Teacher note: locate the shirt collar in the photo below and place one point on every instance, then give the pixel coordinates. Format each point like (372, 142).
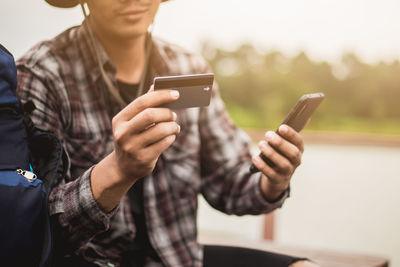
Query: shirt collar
(90, 57)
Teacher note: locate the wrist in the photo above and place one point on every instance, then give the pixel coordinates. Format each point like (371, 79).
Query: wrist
(108, 183)
(271, 191)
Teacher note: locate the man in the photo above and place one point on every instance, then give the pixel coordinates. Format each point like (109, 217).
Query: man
(130, 198)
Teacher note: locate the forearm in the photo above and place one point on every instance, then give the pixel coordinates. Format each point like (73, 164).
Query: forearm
(240, 193)
(78, 215)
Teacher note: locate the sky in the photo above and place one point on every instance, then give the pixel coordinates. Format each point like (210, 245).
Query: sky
(325, 29)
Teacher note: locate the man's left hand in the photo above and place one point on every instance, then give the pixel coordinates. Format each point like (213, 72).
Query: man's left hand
(284, 150)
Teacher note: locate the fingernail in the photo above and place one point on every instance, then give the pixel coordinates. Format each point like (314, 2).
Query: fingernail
(263, 145)
(174, 93)
(179, 128)
(174, 115)
(257, 159)
(270, 135)
(283, 129)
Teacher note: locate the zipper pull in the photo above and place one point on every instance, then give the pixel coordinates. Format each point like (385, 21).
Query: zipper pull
(30, 176)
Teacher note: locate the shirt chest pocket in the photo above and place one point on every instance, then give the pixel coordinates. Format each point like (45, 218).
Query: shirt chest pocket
(88, 138)
(85, 152)
(185, 148)
(182, 159)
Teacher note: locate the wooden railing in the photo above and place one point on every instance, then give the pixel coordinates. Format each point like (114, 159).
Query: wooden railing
(358, 139)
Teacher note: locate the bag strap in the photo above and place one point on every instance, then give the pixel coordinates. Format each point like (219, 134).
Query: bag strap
(57, 164)
(62, 162)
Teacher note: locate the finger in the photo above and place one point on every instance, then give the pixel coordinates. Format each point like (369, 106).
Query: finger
(292, 136)
(158, 132)
(266, 169)
(148, 100)
(157, 148)
(149, 117)
(287, 149)
(281, 163)
(123, 131)
(148, 138)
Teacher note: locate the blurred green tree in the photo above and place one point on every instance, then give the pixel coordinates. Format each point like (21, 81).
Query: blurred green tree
(260, 88)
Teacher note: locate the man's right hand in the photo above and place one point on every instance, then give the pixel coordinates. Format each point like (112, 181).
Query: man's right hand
(141, 131)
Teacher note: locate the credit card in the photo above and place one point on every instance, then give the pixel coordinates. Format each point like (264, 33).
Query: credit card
(194, 89)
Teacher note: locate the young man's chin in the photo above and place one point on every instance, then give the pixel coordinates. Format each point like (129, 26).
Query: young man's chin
(131, 35)
(133, 30)
(123, 34)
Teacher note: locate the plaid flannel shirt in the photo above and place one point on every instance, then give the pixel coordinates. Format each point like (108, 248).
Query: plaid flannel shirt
(210, 155)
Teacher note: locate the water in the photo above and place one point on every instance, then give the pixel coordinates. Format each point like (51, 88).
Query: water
(344, 198)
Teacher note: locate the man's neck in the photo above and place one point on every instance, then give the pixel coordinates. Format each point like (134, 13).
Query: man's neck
(128, 56)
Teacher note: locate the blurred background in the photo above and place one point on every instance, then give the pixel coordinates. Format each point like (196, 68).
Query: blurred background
(265, 55)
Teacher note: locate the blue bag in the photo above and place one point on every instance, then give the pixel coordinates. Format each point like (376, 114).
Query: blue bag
(30, 159)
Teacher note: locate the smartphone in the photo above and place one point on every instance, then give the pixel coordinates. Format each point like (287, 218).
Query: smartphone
(297, 118)
(194, 89)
